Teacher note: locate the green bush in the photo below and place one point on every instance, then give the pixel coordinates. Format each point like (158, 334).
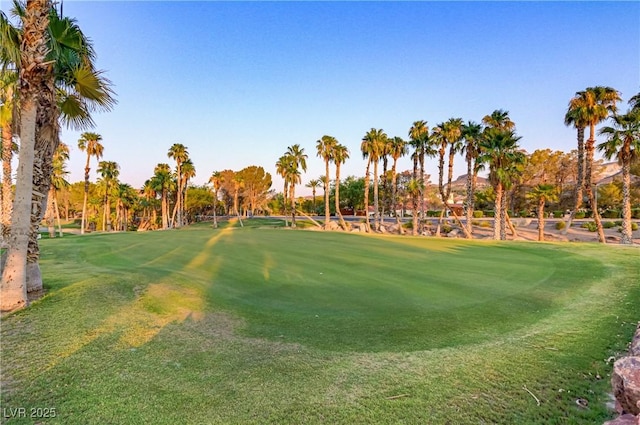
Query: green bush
(611, 214)
(485, 224)
(580, 215)
(523, 213)
(634, 226)
(558, 214)
(560, 225)
(590, 226)
(635, 213)
(489, 213)
(433, 213)
(608, 224)
(478, 214)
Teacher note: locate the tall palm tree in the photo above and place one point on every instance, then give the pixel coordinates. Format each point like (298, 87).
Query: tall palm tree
(109, 170)
(71, 91)
(499, 149)
(325, 147)
(499, 119)
(89, 143)
(623, 142)
(58, 182)
(419, 140)
(471, 134)
(34, 72)
(599, 102)
(340, 156)
(162, 183)
(238, 183)
(576, 116)
(188, 172)
(397, 149)
(216, 181)
(541, 194)
(313, 185)
(297, 161)
(372, 148)
(414, 189)
(282, 168)
(178, 152)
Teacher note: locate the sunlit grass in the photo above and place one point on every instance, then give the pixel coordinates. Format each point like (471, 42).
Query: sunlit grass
(265, 325)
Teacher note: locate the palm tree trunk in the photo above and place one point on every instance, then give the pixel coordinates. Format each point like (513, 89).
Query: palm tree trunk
(422, 183)
(503, 216)
(292, 188)
(470, 190)
(86, 195)
(343, 224)
(327, 213)
(579, 181)
(366, 197)
(13, 286)
(394, 195)
(589, 148)
(215, 204)
(541, 220)
(56, 209)
(7, 156)
(497, 215)
(49, 215)
(376, 215)
(164, 207)
(626, 237)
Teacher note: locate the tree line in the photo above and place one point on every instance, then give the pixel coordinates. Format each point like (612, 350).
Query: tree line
(49, 80)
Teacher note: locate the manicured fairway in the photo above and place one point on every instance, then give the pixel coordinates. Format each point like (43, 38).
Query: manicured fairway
(263, 325)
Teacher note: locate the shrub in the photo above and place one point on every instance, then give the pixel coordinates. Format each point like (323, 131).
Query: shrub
(433, 213)
(485, 224)
(523, 213)
(489, 213)
(634, 226)
(590, 226)
(560, 225)
(446, 228)
(580, 215)
(478, 214)
(608, 224)
(476, 222)
(558, 214)
(635, 213)
(611, 214)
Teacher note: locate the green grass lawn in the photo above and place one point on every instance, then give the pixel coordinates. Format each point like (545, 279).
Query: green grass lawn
(262, 325)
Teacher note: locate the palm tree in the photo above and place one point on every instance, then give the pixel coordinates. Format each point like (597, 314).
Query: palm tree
(109, 170)
(576, 116)
(313, 185)
(70, 91)
(623, 142)
(296, 161)
(282, 168)
(541, 194)
(325, 147)
(58, 182)
(13, 286)
(238, 183)
(127, 197)
(188, 172)
(89, 143)
(499, 149)
(471, 134)
(397, 149)
(414, 188)
(499, 119)
(340, 156)
(372, 148)
(599, 102)
(178, 152)
(419, 140)
(162, 182)
(216, 181)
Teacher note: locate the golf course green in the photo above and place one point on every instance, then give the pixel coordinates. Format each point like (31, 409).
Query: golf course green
(262, 324)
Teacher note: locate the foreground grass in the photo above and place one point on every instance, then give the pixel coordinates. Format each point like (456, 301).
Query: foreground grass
(262, 325)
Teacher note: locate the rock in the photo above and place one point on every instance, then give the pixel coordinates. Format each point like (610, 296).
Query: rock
(332, 225)
(453, 233)
(634, 350)
(623, 420)
(625, 381)
(383, 229)
(355, 230)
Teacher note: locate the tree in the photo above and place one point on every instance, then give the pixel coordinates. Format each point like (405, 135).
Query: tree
(8, 81)
(178, 152)
(397, 149)
(216, 181)
(419, 140)
(313, 185)
(340, 156)
(109, 170)
(162, 182)
(89, 143)
(126, 199)
(541, 194)
(58, 182)
(33, 76)
(471, 134)
(325, 147)
(372, 148)
(296, 160)
(597, 103)
(256, 187)
(577, 116)
(499, 149)
(188, 172)
(623, 142)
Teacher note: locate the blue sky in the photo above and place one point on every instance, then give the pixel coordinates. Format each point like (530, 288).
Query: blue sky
(238, 82)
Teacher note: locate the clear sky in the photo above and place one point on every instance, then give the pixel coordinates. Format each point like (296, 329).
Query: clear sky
(238, 82)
